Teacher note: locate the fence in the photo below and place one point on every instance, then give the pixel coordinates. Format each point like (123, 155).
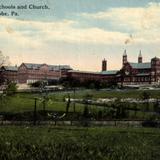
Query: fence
(117, 123)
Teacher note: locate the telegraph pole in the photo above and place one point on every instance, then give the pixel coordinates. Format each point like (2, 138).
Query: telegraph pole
(35, 112)
(74, 105)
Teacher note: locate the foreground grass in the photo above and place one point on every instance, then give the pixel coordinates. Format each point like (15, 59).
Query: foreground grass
(79, 143)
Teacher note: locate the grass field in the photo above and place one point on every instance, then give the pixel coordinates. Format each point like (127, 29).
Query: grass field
(63, 143)
(24, 102)
(107, 94)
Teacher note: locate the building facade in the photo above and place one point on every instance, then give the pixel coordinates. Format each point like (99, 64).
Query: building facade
(102, 76)
(140, 72)
(130, 74)
(30, 72)
(8, 74)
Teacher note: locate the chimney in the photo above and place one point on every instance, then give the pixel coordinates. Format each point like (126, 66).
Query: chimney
(104, 65)
(140, 57)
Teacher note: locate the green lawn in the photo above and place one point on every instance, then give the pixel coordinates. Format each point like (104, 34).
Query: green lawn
(112, 94)
(63, 143)
(23, 102)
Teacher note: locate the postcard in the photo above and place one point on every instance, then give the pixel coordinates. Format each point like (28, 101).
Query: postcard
(79, 79)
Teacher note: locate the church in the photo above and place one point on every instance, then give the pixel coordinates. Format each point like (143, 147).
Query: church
(131, 73)
(139, 72)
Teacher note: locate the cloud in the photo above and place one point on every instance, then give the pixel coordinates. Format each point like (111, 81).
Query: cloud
(41, 32)
(38, 41)
(142, 22)
(137, 18)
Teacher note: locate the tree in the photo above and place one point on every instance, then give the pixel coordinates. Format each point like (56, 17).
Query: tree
(145, 97)
(36, 84)
(45, 99)
(87, 97)
(156, 107)
(86, 112)
(135, 109)
(86, 116)
(4, 60)
(68, 104)
(121, 109)
(3, 99)
(11, 88)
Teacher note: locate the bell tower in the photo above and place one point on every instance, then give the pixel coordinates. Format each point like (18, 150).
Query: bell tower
(104, 65)
(140, 57)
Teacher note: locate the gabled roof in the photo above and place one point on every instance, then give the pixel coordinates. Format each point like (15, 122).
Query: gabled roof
(32, 65)
(10, 68)
(155, 58)
(110, 72)
(59, 67)
(51, 67)
(140, 65)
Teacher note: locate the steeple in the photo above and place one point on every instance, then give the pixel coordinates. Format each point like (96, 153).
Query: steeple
(104, 65)
(140, 57)
(124, 59)
(125, 53)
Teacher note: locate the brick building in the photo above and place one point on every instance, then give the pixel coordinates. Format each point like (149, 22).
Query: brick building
(130, 73)
(29, 72)
(140, 72)
(8, 74)
(103, 76)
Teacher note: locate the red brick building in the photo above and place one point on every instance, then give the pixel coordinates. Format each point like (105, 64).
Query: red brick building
(8, 74)
(130, 73)
(29, 72)
(103, 76)
(140, 72)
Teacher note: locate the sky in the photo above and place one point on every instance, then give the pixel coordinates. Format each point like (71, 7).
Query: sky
(81, 33)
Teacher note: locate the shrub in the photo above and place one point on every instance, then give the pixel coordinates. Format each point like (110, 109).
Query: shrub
(11, 88)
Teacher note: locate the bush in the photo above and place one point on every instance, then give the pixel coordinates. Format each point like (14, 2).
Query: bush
(11, 88)
(150, 123)
(36, 84)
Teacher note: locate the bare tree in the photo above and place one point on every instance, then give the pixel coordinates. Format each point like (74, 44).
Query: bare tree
(4, 60)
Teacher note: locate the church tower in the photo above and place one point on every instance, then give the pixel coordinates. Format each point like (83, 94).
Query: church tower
(124, 57)
(140, 57)
(104, 65)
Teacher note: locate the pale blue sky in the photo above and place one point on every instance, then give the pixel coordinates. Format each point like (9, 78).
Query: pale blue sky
(81, 32)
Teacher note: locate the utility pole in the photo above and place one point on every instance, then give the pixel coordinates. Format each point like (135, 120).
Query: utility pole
(74, 104)
(35, 112)
(44, 104)
(68, 104)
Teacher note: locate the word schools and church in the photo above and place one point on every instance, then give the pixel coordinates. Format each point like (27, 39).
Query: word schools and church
(25, 6)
